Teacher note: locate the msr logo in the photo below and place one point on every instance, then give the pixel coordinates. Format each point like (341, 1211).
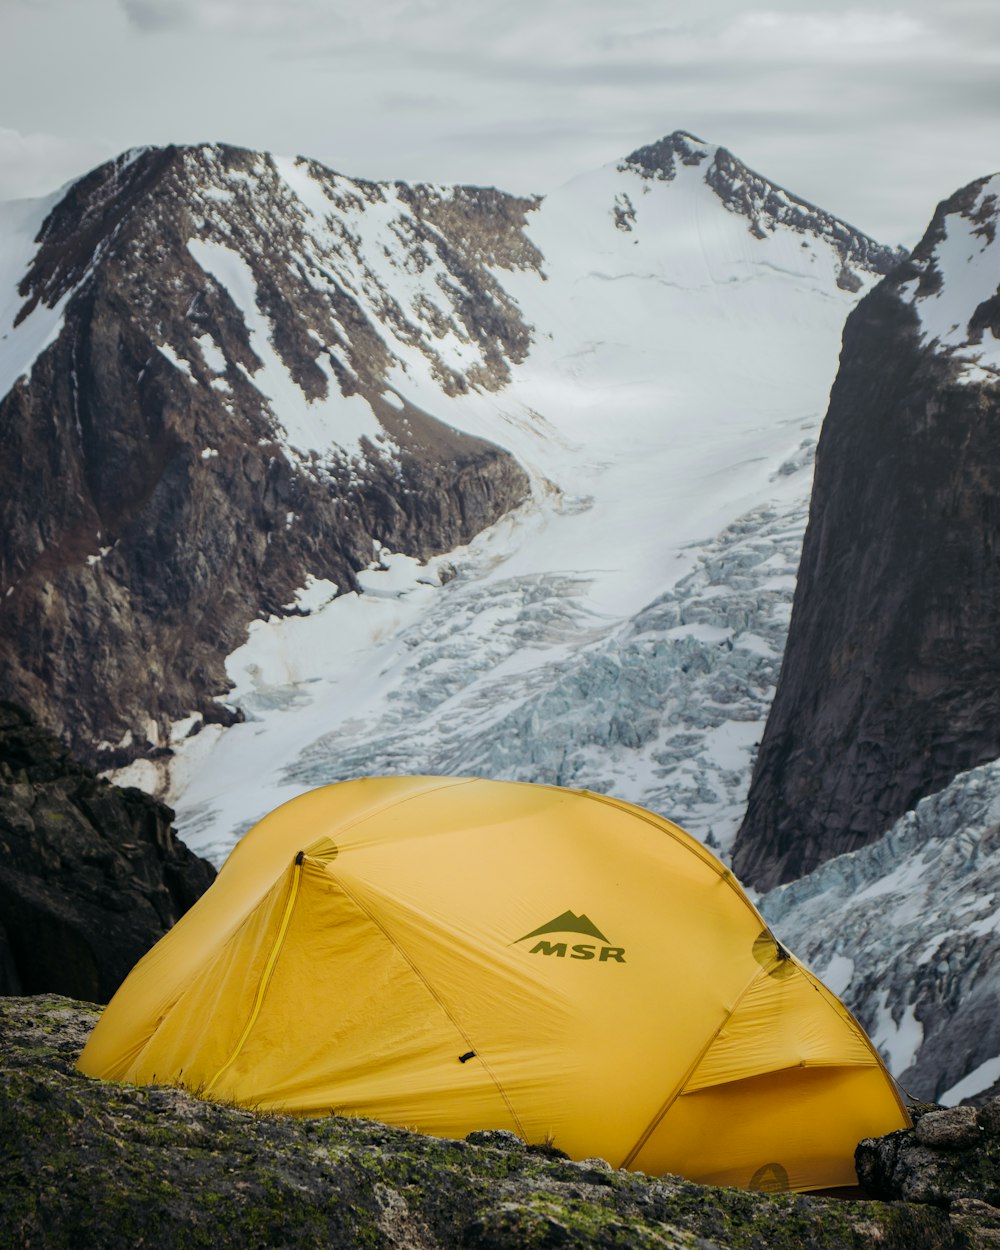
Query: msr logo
(569, 922)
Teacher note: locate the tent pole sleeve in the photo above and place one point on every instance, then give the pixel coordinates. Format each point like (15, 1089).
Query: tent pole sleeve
(272, 959)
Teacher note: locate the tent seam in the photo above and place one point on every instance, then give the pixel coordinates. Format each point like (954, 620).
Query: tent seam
(842, 1009)
(678, 1089)
(434, 995)
(265, 979)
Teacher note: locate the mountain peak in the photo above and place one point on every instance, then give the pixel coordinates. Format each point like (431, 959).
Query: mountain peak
(659, 160)
(764, 204)
(950, 281)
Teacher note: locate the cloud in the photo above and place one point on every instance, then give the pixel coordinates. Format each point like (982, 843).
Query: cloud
(232, 17)
(422, 101)
(524, 95)
(36, 164)
(826, 34)
(153, 15)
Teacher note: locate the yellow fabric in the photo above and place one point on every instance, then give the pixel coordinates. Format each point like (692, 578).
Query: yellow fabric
(451, 954)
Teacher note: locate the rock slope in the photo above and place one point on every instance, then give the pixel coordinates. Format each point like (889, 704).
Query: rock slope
(90, 875)
(195, 413)
(85, 1162)
(951, 1158)
(889, 686)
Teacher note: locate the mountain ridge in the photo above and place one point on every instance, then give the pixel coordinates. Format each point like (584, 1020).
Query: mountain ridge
(763, 202)
(197, 303)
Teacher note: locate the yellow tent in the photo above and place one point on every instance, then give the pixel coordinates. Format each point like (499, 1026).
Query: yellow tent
(449, 954)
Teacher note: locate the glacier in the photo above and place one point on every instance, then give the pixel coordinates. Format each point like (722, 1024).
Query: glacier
(623, 629)
(909, 930)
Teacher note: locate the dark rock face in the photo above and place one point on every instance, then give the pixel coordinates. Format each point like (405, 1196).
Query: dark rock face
(889, 686)
(87, 1163)
(90, 875)
(152, 502)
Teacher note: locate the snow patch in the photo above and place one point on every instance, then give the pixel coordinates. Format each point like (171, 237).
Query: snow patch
(177, 361)
(966, 265)
(22, 344)
(897, 1039)
(978, 1080)
(336, 422)
(837, 974)
(212, 354)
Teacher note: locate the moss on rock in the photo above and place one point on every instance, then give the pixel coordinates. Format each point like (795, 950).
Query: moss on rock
(85, 1162)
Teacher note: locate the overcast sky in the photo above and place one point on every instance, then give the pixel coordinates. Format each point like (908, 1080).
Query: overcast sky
(874, 112)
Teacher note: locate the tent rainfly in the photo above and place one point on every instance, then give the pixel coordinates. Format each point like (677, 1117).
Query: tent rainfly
(450, 954)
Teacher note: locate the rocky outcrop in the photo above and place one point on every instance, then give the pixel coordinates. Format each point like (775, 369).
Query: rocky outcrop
(83, 1162)
(889, 686)
(90, 875)
(212, 420)
(950, 1158)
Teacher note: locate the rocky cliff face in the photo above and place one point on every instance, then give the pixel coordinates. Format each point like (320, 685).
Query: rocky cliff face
(199, 408)
(84, 1162)
(889, 686)
(90, 875)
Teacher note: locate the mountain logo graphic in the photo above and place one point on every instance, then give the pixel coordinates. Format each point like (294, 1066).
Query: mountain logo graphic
(568, 922)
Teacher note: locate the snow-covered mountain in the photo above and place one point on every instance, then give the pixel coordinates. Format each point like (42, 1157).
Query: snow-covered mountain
(308, 478)
(247, 393)
(623, 627)
(197, 415)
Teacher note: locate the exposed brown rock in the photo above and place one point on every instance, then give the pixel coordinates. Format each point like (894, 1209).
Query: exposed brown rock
(952, 1128)
(945, 1160)
(151, 510)
(988, 1117)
